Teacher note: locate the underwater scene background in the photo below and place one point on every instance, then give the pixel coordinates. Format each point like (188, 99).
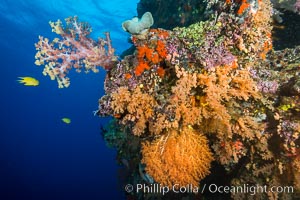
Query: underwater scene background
(42, 157)
(150, 99)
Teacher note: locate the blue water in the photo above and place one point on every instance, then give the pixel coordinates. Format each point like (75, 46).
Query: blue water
(40, 156)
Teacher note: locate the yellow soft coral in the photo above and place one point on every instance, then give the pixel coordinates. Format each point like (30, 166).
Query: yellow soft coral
(136, 106)
(178, 157)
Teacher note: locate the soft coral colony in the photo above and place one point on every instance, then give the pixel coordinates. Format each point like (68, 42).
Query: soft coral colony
(213, 92)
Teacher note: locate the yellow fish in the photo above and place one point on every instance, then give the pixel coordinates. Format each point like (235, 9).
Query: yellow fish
(28, 81)
(66, 120)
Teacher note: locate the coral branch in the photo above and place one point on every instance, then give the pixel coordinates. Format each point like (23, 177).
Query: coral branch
(74, 50)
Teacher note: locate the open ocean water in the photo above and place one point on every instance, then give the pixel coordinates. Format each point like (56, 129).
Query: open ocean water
(40, 156)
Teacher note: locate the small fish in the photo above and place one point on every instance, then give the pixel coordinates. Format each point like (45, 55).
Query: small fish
(28, 81)
(66, 120)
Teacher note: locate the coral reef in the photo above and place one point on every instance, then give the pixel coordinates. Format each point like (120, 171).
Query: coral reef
(214, 93)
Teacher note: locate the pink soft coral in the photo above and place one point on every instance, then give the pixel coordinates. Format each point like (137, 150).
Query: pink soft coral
(74, 50)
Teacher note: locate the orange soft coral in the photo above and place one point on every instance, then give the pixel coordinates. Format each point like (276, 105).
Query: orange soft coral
(142, 51)
(134, 106)
(244, 5)
(161, 33)
(128, 76)
(178, 157)
(266, 48)
(149, 55)
(160, 72)
(144, 55)
(161, 49)
(141, 68)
